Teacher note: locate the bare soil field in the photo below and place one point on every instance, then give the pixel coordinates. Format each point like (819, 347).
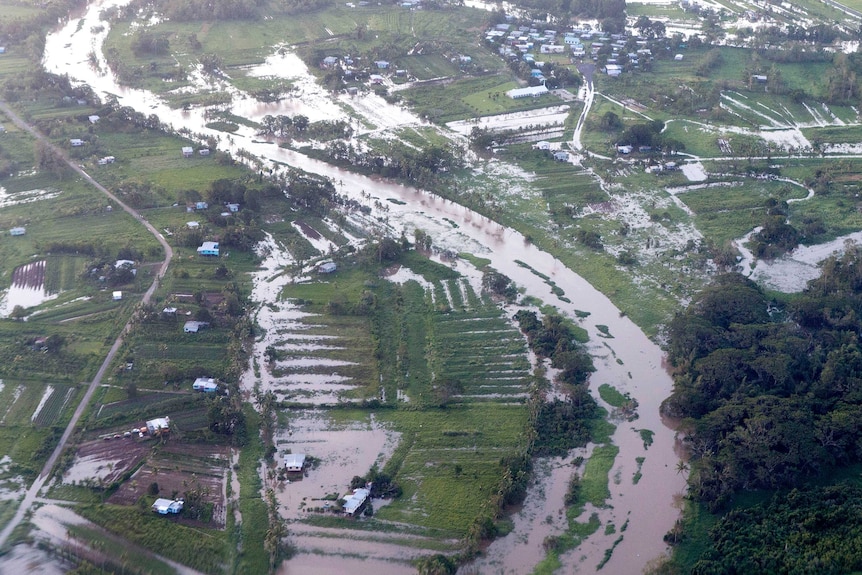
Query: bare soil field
(106, 461)
(177, 468)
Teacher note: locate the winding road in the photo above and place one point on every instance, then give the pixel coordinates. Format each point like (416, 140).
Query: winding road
(33, 492)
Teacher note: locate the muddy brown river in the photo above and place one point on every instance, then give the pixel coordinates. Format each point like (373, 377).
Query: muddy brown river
(628, 360)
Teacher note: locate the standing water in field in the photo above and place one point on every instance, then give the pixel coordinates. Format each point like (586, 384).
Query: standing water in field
(624, 357)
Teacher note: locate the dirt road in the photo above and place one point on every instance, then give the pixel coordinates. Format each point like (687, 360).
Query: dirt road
(33, 491)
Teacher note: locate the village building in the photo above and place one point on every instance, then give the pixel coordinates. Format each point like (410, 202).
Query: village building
(117, 296)
(166, 506)
(188, 151)
(204, 152)
(327, 268)
(531, 92)
(17, 231)
(355, 501)
(159, 425)
(209, 249)
(293, 462)
(194, 326)
(76, 142)
(93, 119)
(205, 384)
(561, 156)
(193, 225)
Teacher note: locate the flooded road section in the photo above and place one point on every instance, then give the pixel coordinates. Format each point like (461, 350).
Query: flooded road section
(624, 356)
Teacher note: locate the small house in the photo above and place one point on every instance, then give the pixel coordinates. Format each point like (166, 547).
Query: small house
(194, 326)
(188, 151)
(205, 384)
(159, 425)
(329, 62)
(165, 506)
(326, 268)
(193, 225)
(355, 501)
(626, 149)
(209, 249)
(352, 90)
(678, 57)
(76, 142)
(17, 231)
(613, 70)
(293, 462)
(201, 205)
(94, 119)
(381, 64)
(376, 78)
(561, 156)
(233, 208)
(543, 145)
(170, 311)
(204, 152)
(117, 296)
(759, 78)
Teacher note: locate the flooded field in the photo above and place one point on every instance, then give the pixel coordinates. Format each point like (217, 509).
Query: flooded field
(624, 356)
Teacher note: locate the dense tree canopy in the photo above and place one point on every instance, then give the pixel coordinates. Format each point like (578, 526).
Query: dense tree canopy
(770, 392)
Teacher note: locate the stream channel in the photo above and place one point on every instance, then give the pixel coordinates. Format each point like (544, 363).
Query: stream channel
(624, 357)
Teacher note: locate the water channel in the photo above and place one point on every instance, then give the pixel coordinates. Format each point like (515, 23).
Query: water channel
(623, 355)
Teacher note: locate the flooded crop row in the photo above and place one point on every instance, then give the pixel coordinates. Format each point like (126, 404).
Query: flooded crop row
(633, 365)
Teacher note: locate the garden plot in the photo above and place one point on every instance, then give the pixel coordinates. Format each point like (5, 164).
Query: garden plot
(178, 468)
(8, 199)
(33, 403)
(100, 463)
(27, 290)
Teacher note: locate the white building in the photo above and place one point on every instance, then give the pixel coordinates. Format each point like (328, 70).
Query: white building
(355, 501)
(531, 92)
(294, 462)
(165, 506)
(205, 384)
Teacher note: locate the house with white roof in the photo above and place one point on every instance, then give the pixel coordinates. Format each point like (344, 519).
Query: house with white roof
(205, 384)
(293, 462)
(209, 249)
(165, 506)
(355, 501)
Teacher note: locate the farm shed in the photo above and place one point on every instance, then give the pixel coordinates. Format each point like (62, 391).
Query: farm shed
(204, 152)
(93, 119)
(205, 384)
(159, 425)
(165, 506)
(327, 268)
(117, 296)
(194, 326)
(188, 151)
(193, 225)
(355, 501)
(561, 156)
(294, 461)
(76, 142)
(208, 249)
(17, 231)
(678, 57)
(533, 91)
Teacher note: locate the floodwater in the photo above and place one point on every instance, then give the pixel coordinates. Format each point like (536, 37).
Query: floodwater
(629, 361)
